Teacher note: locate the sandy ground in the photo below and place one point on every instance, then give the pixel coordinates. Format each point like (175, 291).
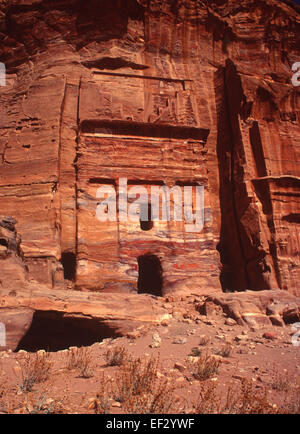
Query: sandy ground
(269, 362)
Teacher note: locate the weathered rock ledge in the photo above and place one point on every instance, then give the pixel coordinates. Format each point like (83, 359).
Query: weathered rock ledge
(256, 307)
(107, 314)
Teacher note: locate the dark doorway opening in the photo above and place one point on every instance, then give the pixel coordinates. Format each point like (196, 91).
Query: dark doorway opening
(145, 217)
(150, 279)
(53, 331)
(68, 260)
(3, 242)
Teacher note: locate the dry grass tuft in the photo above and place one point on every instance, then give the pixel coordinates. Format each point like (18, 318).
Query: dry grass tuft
(195, 352)
(249, 400)
(208, 401)
(2, 389)
(205, 367)
(291, 402)
(34, 369)
(81, 359)
(138, 387)
(280, 381)
(140, 390)
(245, 399)
(204, 340)
(101, 404)
(225, 351)
(116, 356)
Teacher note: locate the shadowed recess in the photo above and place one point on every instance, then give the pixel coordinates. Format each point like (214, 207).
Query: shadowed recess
(3, 242)
(54, 331)
(292, 218)
(150, 279)
(113, 63)
(68, 260)
(143, 129)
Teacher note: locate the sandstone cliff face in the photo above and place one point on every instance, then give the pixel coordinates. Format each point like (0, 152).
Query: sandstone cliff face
(161, 93)
(13, 271)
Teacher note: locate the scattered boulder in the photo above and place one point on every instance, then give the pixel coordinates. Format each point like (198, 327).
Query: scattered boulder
(180, 340)
(135, 334)
(156, 341)
(270, 336)
(241, 338)
(230, 322)
(179, 366)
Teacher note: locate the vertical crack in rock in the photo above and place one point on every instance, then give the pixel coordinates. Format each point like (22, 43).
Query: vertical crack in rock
(262, 190)
(76, 166)
(247, 261)
(234, 271)
(59, 160)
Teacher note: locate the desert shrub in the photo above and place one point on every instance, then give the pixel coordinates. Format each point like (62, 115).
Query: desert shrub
(208, 400)
(81, 359)
(2, 384)
(249, 400)
(137, 376)
(2, 389)
(195, 352)
(140, 390)
(205, 367)
(291, 402)
(204, 340)
(225, 351)
(116, 356)
(34, 369)
(244, 399)
(101, 403)
(280, 381)
(161, 400)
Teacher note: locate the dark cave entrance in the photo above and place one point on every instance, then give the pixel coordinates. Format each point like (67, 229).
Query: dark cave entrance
(68, 260)
(54, 331)
(150, 280)
(3, 242)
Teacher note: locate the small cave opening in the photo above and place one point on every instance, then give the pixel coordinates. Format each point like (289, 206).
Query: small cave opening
(54, 331)
(146, 223)
(68, 260)
(3, 242)
(150, 280)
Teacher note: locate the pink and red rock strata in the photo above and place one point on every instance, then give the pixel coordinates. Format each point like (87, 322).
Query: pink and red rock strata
(216, 78)
(161, 93)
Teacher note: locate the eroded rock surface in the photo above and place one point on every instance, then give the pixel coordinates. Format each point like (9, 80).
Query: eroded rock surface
(14, 324)
(12, 269)
(71, 317)
(255, 308)
(162, 93)
(173, 94)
